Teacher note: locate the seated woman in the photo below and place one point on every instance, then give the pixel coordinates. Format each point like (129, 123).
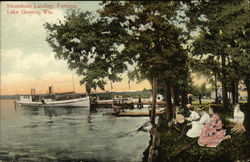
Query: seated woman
(201, 119)
(205, 118)
(196, 126)
(212, 133)
(239, 117)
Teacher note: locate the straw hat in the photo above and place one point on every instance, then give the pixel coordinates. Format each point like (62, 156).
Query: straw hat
(190, 106)
(201, 108)
(180, 118)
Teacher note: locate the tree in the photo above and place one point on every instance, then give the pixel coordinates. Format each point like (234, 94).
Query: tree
(154, 44)
(200, 91)
(151, 43)
(90, 47)
(240, 57)
(218, 22)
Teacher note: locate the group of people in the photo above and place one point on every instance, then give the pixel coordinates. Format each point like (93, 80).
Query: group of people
(208, 126)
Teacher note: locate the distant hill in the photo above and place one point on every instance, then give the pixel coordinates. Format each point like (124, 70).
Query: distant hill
(133, 94)
(102, 95)
(6, 97)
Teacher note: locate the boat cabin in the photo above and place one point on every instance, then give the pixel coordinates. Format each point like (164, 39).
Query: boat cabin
(31, 98)
(121, 100)
(49, 97)
(26, 98)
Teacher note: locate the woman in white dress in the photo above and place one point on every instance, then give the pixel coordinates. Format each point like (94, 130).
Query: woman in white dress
(197, 122)
(239, 117)
(194, 119)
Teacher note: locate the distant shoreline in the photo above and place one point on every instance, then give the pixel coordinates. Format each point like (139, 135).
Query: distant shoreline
(6, 97)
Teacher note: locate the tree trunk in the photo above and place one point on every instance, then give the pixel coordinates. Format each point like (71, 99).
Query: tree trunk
(169, 106)
(111, 86)
(235, 94)
(175, 96)
(183, 98)
(200, 99)
(216, 88)
(236, 91)
(129, 84)
(154, 88)
(248, 95)
(247, 83)
(223, 82)
(233, 91)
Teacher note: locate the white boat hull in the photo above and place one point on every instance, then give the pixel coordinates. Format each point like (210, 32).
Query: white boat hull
(79, 102)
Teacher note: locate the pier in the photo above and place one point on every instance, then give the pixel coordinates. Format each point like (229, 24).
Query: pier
(133, 114)
(123, 105)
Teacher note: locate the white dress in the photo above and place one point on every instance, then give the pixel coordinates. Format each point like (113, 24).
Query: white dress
(195, 131)
(239, 116)
(205, 118)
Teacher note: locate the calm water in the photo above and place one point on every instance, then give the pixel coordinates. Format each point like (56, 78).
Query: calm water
(51, 134)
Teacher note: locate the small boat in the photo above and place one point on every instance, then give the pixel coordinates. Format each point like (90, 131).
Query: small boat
(54, 100)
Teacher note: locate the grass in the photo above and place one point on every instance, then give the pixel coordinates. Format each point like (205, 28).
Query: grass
(235, 148)
(203, 102)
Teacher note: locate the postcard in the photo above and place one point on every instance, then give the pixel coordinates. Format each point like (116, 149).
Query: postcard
(124, 81)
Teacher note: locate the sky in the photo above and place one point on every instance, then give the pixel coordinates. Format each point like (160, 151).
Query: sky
(27, 60)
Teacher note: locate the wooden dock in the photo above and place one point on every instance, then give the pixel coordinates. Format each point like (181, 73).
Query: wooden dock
(130, 105)
(133, 114)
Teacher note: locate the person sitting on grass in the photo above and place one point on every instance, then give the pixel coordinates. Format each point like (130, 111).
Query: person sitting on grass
(212, 133)
(198, 123)
(194, 119)
(205, 118)
(239, 117)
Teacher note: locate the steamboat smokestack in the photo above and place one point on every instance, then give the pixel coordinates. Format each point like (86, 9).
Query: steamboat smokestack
(50, 89)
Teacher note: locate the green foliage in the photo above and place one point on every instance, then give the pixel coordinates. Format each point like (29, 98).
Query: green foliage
(154, 44)
(90, 47)
(150, 40)
(201, 90)
(144, 35)
(223, 26)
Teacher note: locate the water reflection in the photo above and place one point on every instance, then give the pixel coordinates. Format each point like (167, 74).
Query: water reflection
(52, 111)
(92, 110)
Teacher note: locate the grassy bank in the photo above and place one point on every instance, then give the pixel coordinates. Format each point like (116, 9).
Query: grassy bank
(235, 148)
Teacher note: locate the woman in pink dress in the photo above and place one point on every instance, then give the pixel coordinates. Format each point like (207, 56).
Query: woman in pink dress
(212, 133)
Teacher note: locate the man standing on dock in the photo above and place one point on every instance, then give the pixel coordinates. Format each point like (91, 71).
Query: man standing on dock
(140, 105)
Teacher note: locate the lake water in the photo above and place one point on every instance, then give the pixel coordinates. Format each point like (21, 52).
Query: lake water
(67, 134)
